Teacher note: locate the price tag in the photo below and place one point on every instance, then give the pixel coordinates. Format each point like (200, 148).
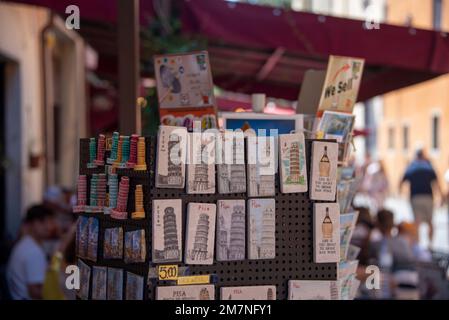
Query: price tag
(201, 279)
(167, 272)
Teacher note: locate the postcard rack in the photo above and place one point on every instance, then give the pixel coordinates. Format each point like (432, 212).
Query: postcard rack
(294, 238)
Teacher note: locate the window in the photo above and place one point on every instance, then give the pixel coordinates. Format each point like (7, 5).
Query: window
(405, 138)
(391, 138)
(435, 132)
(437, 6)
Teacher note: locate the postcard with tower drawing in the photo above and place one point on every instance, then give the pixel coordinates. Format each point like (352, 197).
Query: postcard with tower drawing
(292, 160)
(313, 290)
(167, 230)
(231, 230)
(262, 229)
(261, 166)
(189, 292)
(171, 157)
(248, 293)
(231, 169)
(200, 233)
(201, 163)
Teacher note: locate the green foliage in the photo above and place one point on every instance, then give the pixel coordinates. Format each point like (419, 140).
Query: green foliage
(158, 40)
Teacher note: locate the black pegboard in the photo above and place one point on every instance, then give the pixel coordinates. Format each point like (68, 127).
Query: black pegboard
(294, 233)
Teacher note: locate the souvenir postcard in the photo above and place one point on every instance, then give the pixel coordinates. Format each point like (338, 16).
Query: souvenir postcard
(261, 166)
(313, 290)
(201, 163)
(338, 126)
(353, 252)
(347, 225)
(292, 161)
(323, 178)
(135, 246)
(171, 157)
(184, 80)
(248, 293)
(231, 169)
(83, 292)
(326, 235)
(134, 286)
(200, 233)
(82, 236)
(346, 268)
(99, 276)
(231, 230)
(190, 292)
(167, 231)
(113, 243)
(115, 284)
(92, 246)
(261, 229)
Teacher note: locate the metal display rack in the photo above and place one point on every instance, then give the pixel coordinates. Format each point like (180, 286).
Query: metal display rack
(294, 235)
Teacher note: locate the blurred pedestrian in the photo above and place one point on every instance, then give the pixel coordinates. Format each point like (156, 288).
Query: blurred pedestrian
(424, 184)
(376, 185)
(362, 234)
(394, 256)
(27, 264)
(409, 232)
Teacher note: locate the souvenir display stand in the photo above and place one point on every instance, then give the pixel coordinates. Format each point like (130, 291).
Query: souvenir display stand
(294, 234)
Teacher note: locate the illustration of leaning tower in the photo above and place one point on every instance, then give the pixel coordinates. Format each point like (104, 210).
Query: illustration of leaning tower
(174, 170)
(200, 179)
(222, 240)
(267, 243)
(171, 249)
(265, 180)
(237, 239)
(199, 251)
(237, 170)
(294, 163)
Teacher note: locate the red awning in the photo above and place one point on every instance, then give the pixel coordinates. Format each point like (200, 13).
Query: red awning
(264, 49)
(395, 56)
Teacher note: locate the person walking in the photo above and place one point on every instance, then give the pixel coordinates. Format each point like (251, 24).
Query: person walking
(424, 185)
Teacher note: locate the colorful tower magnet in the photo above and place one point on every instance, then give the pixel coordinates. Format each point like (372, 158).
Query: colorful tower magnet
(125, 152)
(114, 148)
(81, 200)
(133, 151)
(112, 194)
(92, 153)
(122, 202)
(140, 211)
(141, 165)
(99, 161)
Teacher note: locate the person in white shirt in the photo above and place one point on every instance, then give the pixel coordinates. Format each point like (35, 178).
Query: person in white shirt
(28, 263)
